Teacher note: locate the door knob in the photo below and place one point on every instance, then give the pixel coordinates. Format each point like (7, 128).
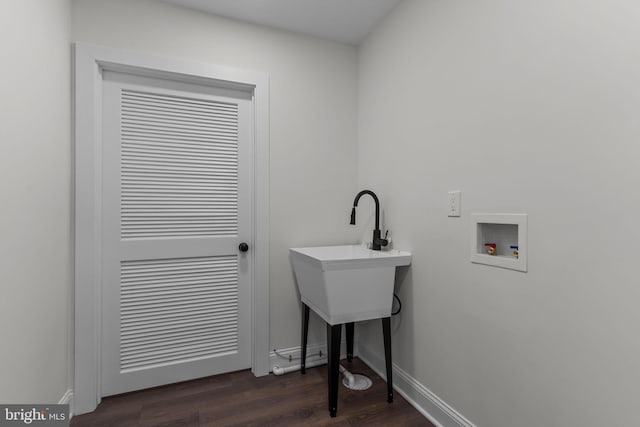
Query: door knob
(243, 247)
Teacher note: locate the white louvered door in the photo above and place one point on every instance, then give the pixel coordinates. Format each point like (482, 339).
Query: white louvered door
(176, 295)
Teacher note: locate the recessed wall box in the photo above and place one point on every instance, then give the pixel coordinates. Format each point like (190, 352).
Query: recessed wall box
(502, 232)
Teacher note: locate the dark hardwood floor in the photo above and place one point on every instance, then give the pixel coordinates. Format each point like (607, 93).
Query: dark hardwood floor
(240, 399)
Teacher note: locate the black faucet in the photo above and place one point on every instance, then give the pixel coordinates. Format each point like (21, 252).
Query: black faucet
(377, 242)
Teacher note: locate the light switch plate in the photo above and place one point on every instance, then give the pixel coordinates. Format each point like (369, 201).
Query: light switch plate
(453, 206)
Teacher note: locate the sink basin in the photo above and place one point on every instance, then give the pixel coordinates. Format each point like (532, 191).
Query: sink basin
(347, 283)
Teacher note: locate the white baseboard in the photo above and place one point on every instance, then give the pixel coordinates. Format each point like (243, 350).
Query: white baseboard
(67, 399)
(314, 357)
(420, 397)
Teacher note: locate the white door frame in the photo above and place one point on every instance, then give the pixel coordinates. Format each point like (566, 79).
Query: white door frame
(90, 61)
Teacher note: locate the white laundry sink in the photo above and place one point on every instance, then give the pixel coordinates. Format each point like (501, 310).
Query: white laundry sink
(347, 283)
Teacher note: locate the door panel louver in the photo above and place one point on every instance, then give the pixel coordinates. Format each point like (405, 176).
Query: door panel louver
(179, 166)
(176, 310)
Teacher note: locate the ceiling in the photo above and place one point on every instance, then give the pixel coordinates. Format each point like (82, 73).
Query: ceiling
(345, 21)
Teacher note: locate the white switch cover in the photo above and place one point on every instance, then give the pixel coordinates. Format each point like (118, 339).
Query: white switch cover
(453, 207)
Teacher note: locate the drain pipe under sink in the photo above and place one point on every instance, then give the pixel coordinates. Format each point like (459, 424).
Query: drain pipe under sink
(348, 377)
(355, 381)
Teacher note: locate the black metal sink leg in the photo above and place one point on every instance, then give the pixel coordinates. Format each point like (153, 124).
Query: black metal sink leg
(386, 332)
(305, 330)
(333, 368)
(349, 327)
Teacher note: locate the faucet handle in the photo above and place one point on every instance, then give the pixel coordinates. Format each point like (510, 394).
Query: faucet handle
(384, 242)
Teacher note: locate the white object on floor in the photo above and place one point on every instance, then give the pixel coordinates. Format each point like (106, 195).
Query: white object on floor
(355, 381)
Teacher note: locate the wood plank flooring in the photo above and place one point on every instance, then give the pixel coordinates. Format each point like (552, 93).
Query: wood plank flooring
(240, 399)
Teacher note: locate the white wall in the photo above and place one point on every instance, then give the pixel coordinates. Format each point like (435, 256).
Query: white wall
(35, 191)
(312, 119)
(528, 107)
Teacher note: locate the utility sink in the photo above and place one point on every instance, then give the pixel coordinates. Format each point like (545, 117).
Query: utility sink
(348, 283)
